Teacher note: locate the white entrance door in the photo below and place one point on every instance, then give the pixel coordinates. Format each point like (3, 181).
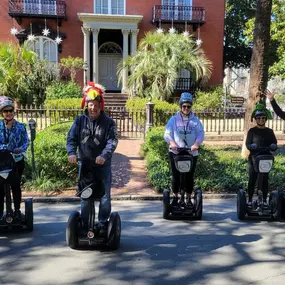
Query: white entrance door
(108, 71)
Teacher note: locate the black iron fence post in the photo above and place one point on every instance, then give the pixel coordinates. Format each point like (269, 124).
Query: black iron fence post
(149, 115)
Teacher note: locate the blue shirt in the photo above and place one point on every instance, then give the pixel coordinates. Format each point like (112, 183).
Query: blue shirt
(14, 138)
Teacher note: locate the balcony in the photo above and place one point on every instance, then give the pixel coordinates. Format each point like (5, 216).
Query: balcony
(37, 9)
(178, 14)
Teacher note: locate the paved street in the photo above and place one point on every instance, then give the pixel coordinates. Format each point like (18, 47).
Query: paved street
(217, 250)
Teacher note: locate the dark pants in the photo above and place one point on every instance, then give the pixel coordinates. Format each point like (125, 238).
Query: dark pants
(14, 179)
(189, 177)
(253, 179)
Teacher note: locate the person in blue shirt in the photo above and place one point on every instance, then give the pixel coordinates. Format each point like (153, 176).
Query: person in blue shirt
(13, 137)
(183, 130)
(94, 136)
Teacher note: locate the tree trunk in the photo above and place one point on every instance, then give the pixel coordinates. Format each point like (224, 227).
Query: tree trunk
(259, 62)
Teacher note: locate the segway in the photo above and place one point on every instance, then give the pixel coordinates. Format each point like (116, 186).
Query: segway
(183, 163)
(78, 234)
(274, 209)
(8, 220)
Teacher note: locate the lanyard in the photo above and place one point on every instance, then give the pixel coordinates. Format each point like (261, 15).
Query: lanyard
(185, 129)
(6, 134)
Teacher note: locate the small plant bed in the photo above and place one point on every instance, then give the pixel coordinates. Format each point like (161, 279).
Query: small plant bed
(220, 169)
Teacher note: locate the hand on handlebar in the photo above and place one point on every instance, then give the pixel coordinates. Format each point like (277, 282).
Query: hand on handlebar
(72, 159)
(194, 147)
(173, 146)
(273, 146)
(17, 151)
(100, 160)
(253, 146)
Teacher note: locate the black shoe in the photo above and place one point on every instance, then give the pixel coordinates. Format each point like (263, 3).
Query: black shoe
(174, 202)
(249, 203)
(1, 215)
(182, 204)
(189, 204)
(17, 215)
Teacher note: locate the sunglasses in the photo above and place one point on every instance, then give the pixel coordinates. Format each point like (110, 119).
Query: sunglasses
(8, 111)
(260, 118)
(186, 106)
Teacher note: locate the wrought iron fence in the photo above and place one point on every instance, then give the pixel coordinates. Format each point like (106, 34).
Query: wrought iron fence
(133, 124)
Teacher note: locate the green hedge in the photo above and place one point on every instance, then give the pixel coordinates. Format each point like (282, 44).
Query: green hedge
(53, 170)
(219, 169)
(61, 90)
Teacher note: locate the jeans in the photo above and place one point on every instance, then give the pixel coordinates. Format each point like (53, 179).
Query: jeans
(105, 201)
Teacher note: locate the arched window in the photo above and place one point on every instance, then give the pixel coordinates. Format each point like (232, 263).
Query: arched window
(45, 47)
(110, 47)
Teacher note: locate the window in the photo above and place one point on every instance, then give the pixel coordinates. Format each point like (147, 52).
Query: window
(46, 48)
(39, 7)
(114, 7)
(177, 2)
(175, 12)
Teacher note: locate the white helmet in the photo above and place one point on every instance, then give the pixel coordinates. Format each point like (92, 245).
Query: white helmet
(6, 101)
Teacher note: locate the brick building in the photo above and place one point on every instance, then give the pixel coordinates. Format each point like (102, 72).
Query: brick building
(105, 31)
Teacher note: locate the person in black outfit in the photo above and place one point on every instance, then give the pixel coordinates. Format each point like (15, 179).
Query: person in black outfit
(259, 136)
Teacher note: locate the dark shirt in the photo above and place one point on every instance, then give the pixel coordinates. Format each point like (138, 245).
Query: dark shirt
(261, 137)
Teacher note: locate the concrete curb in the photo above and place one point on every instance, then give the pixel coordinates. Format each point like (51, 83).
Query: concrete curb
(123, 198)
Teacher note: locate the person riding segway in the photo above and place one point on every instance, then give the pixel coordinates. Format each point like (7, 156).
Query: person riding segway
(13, 145)
(94, 136)
(184, 133)
(260, 141)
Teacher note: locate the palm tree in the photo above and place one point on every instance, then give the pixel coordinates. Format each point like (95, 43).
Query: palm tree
(259, 61)
(157, 61)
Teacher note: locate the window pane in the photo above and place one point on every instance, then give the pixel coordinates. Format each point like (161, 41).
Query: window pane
(50, 51)
(101, 7)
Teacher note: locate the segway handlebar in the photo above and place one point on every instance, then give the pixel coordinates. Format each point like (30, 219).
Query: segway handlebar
(272, 147)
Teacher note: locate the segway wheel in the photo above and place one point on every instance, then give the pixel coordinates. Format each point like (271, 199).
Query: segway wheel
(198, 199)
(114, 231)
(166, 203)
(241, 205)
(29, 215)
(72, 230)
(275, 202)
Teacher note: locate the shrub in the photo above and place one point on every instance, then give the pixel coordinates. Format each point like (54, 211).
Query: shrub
(220, 169)
(53, 169)
(61, 90)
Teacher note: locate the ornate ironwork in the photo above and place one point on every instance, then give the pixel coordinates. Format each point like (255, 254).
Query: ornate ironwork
(183, 84)
(178, 14)
(37, 8)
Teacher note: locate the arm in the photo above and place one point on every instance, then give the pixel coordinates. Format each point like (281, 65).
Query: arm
(112, 142)
(72, 138)
(24, 140)
(249, 139)
(274, 140)
(277, 109)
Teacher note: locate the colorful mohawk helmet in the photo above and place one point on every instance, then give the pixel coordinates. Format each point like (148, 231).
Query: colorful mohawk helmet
(93, 91)
(186, 97)
(260, 110)
(5, 102)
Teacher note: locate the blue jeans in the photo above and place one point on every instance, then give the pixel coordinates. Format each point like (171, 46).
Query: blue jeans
(105, 201)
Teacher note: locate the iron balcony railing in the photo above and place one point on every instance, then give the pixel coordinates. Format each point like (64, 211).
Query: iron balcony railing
(169, 13)
(37, 8)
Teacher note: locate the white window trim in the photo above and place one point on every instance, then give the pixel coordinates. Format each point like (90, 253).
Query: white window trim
(41, 47)
(109, 6)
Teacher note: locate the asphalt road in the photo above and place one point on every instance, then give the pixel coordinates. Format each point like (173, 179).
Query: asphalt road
(217, 250)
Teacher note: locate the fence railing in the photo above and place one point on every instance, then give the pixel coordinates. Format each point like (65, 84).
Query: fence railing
(134, 123)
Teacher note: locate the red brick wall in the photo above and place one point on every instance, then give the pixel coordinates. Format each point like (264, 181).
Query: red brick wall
(211, 32)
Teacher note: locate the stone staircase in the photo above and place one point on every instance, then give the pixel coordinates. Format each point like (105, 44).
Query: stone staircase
(115, 100)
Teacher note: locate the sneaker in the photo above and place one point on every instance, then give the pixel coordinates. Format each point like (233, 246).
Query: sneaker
(1, 215)
(174, 202)
(17, 215)
(102, 230)
(182, 204)
(265, 204)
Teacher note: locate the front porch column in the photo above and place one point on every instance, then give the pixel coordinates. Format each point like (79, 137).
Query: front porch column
(95, 33)
(86, 52)
(125, 55)
(134, 39)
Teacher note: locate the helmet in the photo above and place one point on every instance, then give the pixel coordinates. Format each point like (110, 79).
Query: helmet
(260, 113)
(91, 92)
(185, 97)
(6, 101)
